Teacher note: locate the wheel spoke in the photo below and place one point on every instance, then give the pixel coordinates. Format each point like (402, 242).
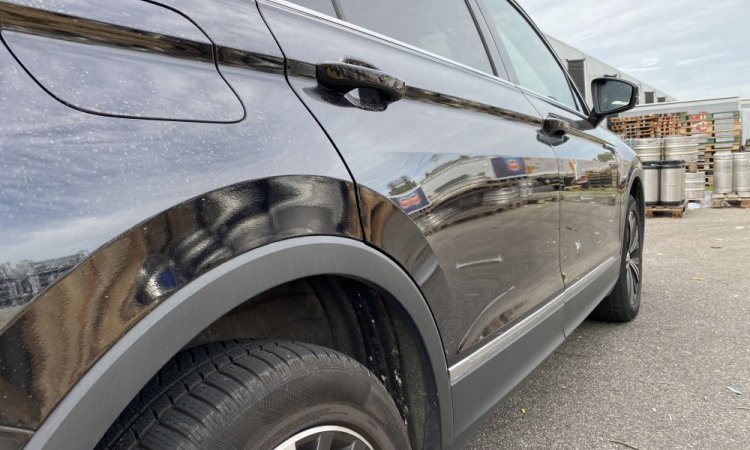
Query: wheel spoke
(629, 280)
(635, 238)
(634, 267)
(324, 441)
(355, 446)
(326, 437)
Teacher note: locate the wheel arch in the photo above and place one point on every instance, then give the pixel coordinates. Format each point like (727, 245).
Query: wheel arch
(635, 189)
(106, 389)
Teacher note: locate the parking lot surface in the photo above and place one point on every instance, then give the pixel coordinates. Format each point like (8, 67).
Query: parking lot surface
(668, 380)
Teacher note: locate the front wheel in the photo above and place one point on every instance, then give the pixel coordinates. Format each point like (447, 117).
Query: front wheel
(623, 304)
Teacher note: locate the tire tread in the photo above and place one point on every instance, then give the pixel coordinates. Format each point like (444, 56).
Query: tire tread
(202, 389)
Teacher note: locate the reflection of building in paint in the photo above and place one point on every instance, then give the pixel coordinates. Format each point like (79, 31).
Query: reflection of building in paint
(20, 284)
(590, 174)
(467, 187)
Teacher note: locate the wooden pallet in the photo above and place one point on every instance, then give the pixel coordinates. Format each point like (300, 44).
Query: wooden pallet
(733, 200)
(711, 148)
(676, 211)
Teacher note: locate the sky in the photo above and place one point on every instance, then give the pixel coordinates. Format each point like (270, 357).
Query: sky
(690, 49)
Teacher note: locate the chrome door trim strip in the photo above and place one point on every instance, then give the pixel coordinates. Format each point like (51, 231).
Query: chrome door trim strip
(461, 369)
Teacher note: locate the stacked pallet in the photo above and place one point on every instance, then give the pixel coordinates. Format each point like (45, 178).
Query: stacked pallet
(634, 127)
(646, 126)
(667, 125)
(721, 131)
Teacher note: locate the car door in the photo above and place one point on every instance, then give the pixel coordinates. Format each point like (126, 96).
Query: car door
(456, 181)
(589, 165)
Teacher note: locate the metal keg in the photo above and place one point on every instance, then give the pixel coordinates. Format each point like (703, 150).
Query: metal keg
(647, 149)
(651, 182)
(672, 183)
(723, 172)
(741, 173)
(683, 148)
(695, 185)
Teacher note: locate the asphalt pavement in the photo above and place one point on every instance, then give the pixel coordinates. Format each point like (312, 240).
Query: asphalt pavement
(672, 378)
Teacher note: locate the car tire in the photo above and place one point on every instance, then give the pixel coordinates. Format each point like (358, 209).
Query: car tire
(624, 302)
(260, 395)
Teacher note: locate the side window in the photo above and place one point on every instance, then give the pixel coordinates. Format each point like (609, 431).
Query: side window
(534, 64)
(443, 27)
(322, 6)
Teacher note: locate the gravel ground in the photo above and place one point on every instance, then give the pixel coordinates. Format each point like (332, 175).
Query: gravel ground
(662, 381)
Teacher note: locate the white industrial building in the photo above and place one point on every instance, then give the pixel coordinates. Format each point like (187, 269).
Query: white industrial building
(583, 68)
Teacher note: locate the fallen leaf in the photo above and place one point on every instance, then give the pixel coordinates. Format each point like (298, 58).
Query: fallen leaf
(523, 410)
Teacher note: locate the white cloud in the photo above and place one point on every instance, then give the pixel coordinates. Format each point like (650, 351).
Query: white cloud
(690, 49)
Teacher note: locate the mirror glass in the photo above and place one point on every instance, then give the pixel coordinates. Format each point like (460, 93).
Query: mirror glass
(614, 95)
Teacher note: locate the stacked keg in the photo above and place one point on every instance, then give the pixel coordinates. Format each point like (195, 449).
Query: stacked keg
(732, 173)
(681, 148)
(741, 173)
(723, 172)
(664, 171)
(649, 151)
(695, 185)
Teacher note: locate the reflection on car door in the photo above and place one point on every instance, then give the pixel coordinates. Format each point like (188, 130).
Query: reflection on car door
(589, 166)
(461, 154)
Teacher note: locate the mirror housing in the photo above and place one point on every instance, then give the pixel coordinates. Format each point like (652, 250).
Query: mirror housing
(611, 96)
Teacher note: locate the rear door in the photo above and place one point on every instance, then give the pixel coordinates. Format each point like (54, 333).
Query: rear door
(450, 145)
(590, 168)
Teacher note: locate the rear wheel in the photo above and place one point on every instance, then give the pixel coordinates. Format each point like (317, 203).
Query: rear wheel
(623, 304)
(273, 395)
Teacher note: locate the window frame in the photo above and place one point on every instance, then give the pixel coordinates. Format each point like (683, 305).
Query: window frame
(497, 63)
(584, 111)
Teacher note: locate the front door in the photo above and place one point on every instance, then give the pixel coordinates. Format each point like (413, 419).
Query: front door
(460, 155)
(589, 166)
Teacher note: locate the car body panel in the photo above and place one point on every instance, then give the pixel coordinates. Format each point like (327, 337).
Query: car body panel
(461, 155)
(591, 194)
(148, 74)
(94, 206)
(105, 390)
(122, 232)
(594, 169)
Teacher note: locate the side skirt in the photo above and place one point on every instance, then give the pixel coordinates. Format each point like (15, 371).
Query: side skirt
(483, 379)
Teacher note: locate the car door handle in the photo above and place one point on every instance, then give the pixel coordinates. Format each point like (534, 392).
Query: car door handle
(343, 77)
(554, 126)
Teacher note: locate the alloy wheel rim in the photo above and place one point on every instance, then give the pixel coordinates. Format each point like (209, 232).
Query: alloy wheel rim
(633, 258)
(328, 437)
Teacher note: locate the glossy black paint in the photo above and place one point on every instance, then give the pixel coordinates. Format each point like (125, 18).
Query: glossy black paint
(149, 75)
(592, 193)
(462, 178)
(169, 199)
(592, 168)
(464, 157)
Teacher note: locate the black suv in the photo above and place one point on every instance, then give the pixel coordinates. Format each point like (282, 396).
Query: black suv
(290, 225)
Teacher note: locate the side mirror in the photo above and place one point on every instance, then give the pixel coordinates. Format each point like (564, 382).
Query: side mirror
(611, 96)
